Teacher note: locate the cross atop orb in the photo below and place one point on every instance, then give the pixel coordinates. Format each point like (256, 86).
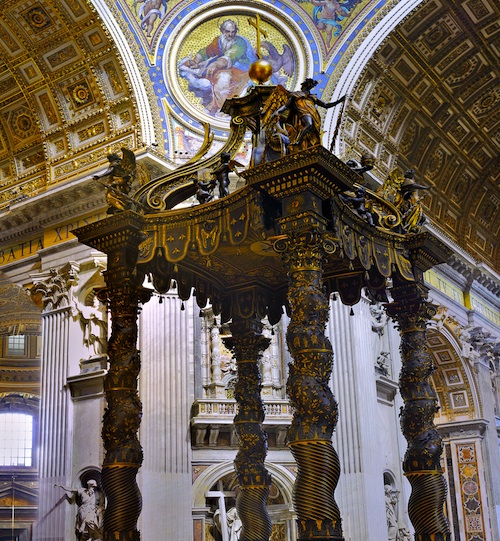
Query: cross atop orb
(261, 70)
(256, 24)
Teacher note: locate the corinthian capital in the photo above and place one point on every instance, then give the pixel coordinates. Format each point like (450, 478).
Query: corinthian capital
(52, 288)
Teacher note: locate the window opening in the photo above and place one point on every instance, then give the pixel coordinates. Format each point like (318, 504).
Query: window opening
(16, 345)
(16, 439)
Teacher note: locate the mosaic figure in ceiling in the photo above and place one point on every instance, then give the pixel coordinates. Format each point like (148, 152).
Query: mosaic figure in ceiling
(150, 12)
(330, 16)
(218, 70)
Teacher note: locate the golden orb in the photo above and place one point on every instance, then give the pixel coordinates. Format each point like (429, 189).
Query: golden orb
(260, 71)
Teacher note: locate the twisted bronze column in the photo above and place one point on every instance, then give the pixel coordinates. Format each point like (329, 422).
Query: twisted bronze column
(308, 388)
(122, 416)
(247, 344)
(421, 465)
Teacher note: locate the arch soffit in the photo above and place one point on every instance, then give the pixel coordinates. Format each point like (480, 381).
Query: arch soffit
(453, 379)
(413, 105)
(281, 477)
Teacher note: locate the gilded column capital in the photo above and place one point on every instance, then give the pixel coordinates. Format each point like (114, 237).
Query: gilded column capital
(305, 250)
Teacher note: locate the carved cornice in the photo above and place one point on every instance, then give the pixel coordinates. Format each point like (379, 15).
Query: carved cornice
(316, 167)
(53, 206)
(115, 232)
(474, 271)
(463, 429)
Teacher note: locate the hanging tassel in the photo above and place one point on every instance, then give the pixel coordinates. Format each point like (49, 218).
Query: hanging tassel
(351, 313)
(182, 306)
(334, 297)
(200, 314)
(272, 331)
(160, 300)
(215, 323)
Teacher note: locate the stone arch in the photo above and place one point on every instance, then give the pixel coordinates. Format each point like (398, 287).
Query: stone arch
(281, 476)
(453, 379)
(282, 487)
(141, 96)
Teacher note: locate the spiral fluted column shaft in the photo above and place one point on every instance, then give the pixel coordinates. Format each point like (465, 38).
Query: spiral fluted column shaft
(122, 417)
(421, 464)
(308, 387)
(247, 345)
(123, 452)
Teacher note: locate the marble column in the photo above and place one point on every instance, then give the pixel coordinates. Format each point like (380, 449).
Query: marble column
(247, 344)
(411, 311)
(359, 435)
(168, 338)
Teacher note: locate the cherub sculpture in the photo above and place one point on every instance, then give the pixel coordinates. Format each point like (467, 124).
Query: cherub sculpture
(357, 202)
(301, 118)
(221, 172)
(120, 174)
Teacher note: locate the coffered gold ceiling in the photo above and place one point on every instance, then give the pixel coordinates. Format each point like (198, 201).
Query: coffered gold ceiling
(63, 93)
(429, 99)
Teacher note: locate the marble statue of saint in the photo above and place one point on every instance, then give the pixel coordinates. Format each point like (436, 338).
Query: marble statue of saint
(94, 327)
(90, 513)
(233, 524)
(391, 499)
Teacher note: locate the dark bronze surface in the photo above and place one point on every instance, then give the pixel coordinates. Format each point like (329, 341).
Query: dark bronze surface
(288, 238)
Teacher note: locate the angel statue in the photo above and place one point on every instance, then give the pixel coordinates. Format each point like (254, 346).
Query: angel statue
(221, 172)
(411, 206)
(120, 174)
(302, 120)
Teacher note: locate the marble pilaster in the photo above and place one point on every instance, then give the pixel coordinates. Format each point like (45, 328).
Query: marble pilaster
(167, 339)
(53, 289)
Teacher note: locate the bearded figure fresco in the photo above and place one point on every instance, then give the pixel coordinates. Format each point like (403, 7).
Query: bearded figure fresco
(219, 69)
